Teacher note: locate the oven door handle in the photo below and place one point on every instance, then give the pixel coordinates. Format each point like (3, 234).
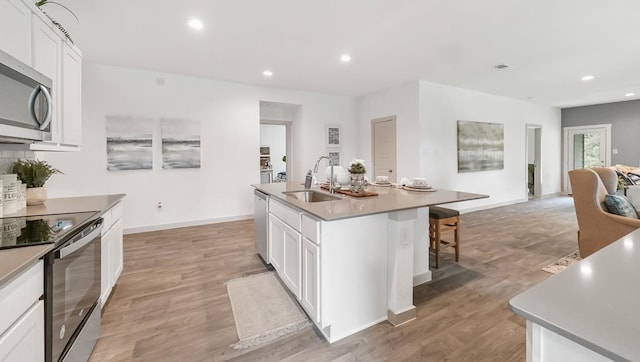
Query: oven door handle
(78, 244)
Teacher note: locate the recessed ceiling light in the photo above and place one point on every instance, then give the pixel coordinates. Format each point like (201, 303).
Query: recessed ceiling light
(267, 73)
(195, 24)
(629, 94)
(587, 77)
(345, 58)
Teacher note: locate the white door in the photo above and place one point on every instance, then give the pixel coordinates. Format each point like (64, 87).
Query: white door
(586, 147)
(383, 143)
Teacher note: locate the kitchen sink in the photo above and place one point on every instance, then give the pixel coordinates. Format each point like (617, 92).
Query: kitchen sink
(311, 196)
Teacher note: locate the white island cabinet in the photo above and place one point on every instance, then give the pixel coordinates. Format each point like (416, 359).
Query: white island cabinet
(22, 316)
(332, 268)
(352, 262)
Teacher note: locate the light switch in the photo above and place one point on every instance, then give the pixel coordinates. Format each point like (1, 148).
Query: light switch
(614, 151)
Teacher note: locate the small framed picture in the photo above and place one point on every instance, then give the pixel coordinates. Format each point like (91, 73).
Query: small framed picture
(332, 135)
(335, 156)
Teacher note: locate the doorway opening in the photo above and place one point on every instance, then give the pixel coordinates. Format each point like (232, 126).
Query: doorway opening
(586, 147)
(276, 122)
(533, 142)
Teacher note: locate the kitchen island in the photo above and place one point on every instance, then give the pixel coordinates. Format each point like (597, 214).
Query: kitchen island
(588, 312)
(352, 262)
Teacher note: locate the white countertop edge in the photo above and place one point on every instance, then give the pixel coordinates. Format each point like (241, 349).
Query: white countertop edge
(533, 303)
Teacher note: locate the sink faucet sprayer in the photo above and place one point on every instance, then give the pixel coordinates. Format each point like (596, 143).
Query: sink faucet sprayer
(315, 170)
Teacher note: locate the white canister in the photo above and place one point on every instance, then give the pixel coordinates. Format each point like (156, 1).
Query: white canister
(10, 193)
(22, 196)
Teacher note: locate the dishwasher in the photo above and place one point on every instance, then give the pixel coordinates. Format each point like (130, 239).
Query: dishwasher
(261, 225)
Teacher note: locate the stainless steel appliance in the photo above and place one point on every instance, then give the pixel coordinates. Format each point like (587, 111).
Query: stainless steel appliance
(72, 291)
(26, 106)
(260, 224)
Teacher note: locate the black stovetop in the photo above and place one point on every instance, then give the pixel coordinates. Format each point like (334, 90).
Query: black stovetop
(37, 230)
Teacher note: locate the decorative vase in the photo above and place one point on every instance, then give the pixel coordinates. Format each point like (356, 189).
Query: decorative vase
(36, 195)
(357, 182)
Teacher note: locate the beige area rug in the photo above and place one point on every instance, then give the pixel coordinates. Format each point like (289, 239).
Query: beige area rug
(563, 263)
(263, 310)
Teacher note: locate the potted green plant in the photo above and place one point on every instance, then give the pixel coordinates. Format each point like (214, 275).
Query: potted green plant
(34, 173)
(357, 171)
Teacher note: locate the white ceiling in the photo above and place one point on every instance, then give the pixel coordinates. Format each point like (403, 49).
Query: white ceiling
(549, 44)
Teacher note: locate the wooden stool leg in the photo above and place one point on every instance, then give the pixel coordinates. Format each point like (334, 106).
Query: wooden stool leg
(457, 239)
(437, 244)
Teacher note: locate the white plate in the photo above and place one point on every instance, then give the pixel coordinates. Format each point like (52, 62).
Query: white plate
(382, 185)
(422, 189)
(418, 186)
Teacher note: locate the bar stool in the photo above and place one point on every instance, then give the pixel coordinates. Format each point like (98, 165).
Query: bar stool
(443, 220)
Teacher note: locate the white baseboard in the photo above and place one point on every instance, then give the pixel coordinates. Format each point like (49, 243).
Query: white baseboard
(491, 206)
(144, 229)
(422, 278)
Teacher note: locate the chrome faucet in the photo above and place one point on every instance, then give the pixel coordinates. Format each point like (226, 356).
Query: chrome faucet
(315, 170)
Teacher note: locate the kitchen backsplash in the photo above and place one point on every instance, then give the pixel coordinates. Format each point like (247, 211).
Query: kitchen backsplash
(7, 158)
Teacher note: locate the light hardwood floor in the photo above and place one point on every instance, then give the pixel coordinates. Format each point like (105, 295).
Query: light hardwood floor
(171, 304)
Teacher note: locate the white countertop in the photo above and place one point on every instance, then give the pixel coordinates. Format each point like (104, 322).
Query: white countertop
(388, 199)
(595, 303)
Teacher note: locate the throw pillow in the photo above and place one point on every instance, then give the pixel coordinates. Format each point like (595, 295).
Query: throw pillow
(620, 205)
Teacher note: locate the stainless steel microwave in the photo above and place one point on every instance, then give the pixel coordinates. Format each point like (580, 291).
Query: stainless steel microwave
(26, 106)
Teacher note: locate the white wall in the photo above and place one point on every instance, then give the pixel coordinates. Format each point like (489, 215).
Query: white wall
(427, 115)
(230, 115)
(403, 103)
(531, 145)
(442, 106)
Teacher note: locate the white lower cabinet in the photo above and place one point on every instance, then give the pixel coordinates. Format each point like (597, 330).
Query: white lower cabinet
(295, 254)
(285, 245)
(112, 251)
(276, 243)
(292, 266)
(24, 341)
(310, 298)
(22, 316)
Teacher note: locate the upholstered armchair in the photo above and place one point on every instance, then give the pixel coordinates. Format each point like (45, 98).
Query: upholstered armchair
(597, 227)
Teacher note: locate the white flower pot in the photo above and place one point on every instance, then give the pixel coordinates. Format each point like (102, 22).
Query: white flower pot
(36, 195)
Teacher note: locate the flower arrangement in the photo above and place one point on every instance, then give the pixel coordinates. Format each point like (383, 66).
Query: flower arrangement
(357, 166)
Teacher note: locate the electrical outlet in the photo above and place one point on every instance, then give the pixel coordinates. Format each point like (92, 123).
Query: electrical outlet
(159, 205)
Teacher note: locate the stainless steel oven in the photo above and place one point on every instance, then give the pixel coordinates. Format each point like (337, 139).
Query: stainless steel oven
(72, 291)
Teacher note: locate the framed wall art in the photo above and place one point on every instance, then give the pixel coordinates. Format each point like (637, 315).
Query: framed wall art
(480, 146)
(129, 143)
(332, 135)
(335, 155)
(180, 143)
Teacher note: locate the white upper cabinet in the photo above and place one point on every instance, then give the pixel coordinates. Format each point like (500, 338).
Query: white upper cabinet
(30, 37)
(15, 27)
(71, 121)
(47, 59)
